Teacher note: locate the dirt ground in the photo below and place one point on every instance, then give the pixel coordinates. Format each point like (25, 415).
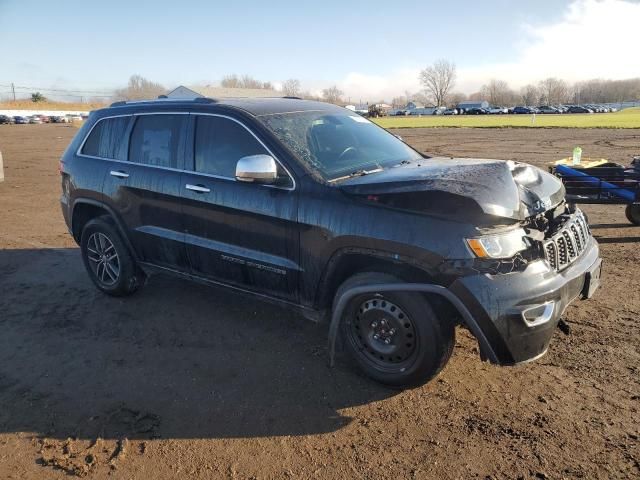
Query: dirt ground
(186, 380)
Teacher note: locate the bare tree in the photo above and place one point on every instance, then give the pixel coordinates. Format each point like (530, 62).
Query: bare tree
(250, 82)
(606, 91)
(291, 87)
(529, 94)
(498, 93)
(553, 91)
(438, 80)
(332, 94)
(230, 81)
(139, 88)
(456, 97)
(246, 81)
(420, 98)
(399, 102)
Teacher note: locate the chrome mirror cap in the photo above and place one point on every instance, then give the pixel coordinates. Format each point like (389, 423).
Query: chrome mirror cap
(257, 169)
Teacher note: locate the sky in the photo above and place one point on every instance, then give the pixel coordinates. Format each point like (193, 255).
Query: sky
(370, 49)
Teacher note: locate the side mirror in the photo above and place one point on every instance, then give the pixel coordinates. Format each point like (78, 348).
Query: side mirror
(257, 169)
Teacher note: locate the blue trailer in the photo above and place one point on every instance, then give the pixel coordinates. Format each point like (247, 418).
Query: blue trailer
(601, 181)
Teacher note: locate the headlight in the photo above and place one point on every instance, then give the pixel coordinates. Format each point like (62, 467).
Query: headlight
(498, 246)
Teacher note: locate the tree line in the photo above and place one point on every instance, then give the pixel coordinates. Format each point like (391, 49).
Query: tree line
(438, 81)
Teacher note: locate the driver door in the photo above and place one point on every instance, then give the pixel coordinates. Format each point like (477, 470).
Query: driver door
(236, 233)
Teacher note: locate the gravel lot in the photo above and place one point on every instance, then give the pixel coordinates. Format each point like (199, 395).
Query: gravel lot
(183, 379)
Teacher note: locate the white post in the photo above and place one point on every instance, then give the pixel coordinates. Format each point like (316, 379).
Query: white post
(1, 169)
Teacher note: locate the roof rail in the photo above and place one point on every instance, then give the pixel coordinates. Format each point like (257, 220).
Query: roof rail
(205, 100)
(164, 98)
(290, 97)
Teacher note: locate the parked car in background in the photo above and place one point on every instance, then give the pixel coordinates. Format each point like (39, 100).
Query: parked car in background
(523, 110)
(498, 110)
(578, 109)
(476, 111)
(45, 118)
(20, 120)
(6, 120)
(74, 118)
(450, 111)
(35, 119)
(547, 109)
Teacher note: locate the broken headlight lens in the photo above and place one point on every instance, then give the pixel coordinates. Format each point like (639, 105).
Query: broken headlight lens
(504, 245)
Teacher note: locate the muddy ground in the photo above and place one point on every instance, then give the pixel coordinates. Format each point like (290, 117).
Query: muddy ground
(185, 380)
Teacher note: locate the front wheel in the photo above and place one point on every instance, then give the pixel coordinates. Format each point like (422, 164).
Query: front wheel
(395, 338)
(633, 213)
(107, 259)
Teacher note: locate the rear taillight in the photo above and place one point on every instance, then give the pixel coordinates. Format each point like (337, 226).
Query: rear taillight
(60, 167)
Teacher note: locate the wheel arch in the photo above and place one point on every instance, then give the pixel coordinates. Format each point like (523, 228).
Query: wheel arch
(435, 290)
(349, 261)
(86, 209)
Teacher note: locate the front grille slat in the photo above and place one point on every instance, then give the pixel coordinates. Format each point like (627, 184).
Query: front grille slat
(568, 243)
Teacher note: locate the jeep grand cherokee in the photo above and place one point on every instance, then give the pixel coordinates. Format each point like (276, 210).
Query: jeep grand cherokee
(315, 207)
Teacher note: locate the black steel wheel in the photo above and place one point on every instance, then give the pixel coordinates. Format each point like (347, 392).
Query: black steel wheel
(107, 259)
(633, 213)
(384, 333)
(395, 338)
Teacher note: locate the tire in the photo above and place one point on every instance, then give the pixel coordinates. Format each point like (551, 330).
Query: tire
(633, 213)
(395, 338)
(107, 259)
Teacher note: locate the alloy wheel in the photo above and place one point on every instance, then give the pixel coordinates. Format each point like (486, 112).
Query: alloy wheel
(103, 258)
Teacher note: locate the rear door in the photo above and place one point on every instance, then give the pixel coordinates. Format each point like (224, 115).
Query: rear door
(145, 189)
(243, 234)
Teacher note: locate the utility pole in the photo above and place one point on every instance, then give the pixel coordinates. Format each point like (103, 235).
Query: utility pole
(13, 90)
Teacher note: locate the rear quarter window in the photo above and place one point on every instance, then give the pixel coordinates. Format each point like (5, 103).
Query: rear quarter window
(107, 139)
(155, 140)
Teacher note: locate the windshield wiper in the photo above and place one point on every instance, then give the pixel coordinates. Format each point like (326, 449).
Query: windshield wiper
(357, 173)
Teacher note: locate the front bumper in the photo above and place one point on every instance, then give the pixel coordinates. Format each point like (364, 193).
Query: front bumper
(518, 312)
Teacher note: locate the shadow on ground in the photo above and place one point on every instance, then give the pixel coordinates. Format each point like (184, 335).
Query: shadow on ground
(176, 360)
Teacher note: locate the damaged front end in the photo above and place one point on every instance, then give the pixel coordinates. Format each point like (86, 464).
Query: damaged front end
(530, 254)
(514, 207)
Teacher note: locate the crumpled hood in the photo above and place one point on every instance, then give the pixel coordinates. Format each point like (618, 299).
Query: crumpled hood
(500, 188)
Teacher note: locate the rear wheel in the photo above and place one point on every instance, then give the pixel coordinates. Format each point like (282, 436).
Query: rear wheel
(633, 213)
(395, 338)
(107, 259)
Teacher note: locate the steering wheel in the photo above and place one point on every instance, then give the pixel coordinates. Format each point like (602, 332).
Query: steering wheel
(346, 152)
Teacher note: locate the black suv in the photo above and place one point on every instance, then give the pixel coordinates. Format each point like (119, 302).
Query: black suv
(314, 206)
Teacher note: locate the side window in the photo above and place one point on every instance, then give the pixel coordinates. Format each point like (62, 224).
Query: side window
(155, 140)
(106, 139)
(220, 143)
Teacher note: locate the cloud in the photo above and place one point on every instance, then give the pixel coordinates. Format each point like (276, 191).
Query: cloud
(594, 39)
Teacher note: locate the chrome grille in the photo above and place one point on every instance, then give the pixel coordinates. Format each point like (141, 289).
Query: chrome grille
(568, 243)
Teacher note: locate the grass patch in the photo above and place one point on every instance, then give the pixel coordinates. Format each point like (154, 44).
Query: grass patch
(627, 118)
(29, 105)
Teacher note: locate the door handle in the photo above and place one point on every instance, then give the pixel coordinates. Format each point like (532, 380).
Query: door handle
(119, 174)
(197, 188)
